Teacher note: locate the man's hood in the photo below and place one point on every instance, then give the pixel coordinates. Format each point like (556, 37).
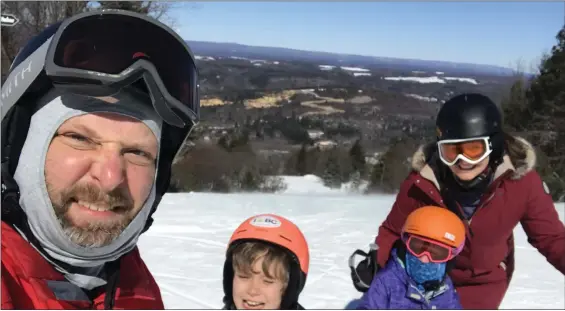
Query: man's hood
(54, 109)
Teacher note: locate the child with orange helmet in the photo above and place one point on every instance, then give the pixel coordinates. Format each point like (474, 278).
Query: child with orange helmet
(266, 265)
(415, 276)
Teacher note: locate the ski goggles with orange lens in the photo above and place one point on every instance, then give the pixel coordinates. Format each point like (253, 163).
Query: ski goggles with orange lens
(471, 150)
(437, 252)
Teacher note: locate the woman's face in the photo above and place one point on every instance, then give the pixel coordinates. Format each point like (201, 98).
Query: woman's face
(465, 171)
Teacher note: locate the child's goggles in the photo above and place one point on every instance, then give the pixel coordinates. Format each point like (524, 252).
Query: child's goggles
(471, 150)
(436, 251)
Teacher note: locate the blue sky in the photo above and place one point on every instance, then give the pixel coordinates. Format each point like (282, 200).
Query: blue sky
(496, 33)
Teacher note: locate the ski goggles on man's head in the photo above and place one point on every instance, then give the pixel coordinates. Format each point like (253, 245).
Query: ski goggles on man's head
(471, 150)
(99, 53)
(436, 251)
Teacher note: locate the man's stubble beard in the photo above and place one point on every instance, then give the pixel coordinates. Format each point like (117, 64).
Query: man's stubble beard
(96, 233)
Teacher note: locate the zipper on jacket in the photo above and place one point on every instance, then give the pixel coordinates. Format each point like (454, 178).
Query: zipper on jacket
(467, 223)
(491, 191)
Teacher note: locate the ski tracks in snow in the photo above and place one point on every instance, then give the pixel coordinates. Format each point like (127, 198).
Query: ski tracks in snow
(185, 248)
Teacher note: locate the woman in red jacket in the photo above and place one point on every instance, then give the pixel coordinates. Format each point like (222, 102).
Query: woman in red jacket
(487, 177)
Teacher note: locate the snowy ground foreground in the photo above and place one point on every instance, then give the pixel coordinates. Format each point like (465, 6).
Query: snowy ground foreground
(184, 248)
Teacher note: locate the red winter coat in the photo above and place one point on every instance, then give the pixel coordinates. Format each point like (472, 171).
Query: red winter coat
(27, 279)
(517, 195)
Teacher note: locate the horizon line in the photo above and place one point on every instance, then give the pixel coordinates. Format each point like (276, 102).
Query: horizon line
(348, 54)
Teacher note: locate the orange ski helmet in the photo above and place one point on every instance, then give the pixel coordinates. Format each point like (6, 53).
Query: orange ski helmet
(278, 231)
(438, 224)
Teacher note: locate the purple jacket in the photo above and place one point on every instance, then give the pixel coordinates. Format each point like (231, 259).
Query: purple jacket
(392, 288)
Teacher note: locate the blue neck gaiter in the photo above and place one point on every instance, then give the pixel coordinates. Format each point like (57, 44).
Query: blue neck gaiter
(421, 272)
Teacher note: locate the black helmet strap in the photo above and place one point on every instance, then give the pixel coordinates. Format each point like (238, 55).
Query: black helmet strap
(15, 126)
(498, 149)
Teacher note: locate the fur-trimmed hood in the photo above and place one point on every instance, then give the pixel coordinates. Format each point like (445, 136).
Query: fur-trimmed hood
(520, 157)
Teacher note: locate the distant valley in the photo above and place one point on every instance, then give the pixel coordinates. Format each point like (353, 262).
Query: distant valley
(282, 98)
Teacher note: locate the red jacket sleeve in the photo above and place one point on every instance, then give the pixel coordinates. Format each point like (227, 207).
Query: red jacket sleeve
(541, 223)
(6, 298)
(390, 229)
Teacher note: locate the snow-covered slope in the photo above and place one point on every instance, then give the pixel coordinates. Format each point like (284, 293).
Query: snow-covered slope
(185, 246)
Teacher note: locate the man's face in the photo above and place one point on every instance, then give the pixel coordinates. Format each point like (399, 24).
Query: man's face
(99, 171)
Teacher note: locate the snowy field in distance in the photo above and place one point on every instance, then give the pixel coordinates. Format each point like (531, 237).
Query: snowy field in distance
(185, 247)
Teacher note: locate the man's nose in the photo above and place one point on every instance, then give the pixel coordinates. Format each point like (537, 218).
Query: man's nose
(109, 169)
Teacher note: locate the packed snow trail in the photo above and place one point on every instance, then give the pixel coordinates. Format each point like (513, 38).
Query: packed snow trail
(185, 247)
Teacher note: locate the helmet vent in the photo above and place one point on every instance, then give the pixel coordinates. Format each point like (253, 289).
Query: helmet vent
(282, 236)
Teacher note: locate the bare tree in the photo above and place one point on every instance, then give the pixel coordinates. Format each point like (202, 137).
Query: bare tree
(34, 16)
(159, 10)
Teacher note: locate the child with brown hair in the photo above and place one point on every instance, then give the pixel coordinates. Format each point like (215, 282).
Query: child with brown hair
(266, 265)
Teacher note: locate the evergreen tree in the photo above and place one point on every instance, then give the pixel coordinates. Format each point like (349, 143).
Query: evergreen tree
(135, 6)
(547, 101)
(357, 155)
(537, 111)
(301, 164)
(376, 177)
(332, 171)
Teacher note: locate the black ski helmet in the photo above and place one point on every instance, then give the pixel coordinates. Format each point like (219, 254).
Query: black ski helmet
(16, 120)
(472, 115)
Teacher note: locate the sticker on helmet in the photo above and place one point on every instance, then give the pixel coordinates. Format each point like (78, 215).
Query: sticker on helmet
(265, 221)
(546, 188)
(449, 236)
